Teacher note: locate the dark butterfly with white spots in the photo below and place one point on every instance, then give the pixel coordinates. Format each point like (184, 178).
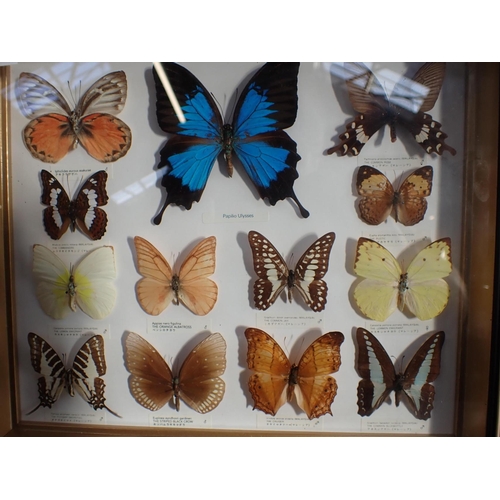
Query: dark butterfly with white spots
(266, 106)
(274, 275)
(379, 198)
(197, 383)
(406, 106)
(84, 376)
(379, 377)
(82, 212)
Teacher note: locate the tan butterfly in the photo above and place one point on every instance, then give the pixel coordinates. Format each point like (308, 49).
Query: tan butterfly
(276, 380)
(421, 287)
(197, 383)
(380, 198)
(191, 286)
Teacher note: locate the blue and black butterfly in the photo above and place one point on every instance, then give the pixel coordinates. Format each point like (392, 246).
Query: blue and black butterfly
(267, 105)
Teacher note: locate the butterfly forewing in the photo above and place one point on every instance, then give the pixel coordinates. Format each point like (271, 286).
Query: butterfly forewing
(200, 385)
(151, 380)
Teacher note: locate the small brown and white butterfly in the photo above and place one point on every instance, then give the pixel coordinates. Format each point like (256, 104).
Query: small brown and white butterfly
(197, 383)
(84, 376)
(274, 275)
(379, 198)
(82, 212)
(160, 285)
(275, 380)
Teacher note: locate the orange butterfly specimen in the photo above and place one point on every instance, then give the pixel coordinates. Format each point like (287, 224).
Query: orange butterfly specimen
(197, 383)
(55, 129)
(191, 286)
(276, 380)
(380, 198)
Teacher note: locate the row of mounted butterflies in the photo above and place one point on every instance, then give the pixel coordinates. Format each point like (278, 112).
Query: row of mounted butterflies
(266, 106)
(383, 288)
(274, 380)
(378, 200)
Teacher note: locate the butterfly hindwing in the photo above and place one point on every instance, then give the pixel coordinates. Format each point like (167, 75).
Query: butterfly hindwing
(55, 129)
(275, 379)
(160, 286)
(379, 378)
(379, 197)
(274, 275)
(83, 211)
(198, 383)
(85, 374)
(406, 106)
(267, 104)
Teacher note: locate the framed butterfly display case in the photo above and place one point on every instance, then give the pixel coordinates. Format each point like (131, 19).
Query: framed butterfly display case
(221, 248)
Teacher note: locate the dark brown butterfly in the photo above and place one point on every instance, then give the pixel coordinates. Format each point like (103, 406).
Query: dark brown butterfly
(274, 274)
(82, 212)
(380, 198)
(197, 383)
(406, 106)
(84, 376)
(275, 379)
(379, 377)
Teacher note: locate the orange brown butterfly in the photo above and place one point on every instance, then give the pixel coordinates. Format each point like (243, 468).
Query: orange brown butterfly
(379, 198)
(275, 379)
(191, 285)
(197, 383)
(55, 129)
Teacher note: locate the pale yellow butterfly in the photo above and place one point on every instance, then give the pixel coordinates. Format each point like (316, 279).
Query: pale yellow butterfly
(88, 285)
(421, 287)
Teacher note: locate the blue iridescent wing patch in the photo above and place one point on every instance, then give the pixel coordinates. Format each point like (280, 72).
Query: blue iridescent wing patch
(267, 105)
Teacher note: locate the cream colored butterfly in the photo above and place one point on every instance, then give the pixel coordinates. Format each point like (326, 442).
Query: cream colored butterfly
(421, 287)
(160, 285)
(89, 285)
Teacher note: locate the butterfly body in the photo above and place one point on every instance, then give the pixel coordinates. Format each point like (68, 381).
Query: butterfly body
(266, 105)
(84, 376)
(379, 198)
(379, 377)
(89, 285)
(406, 106)
(275, 380)
(82, 212)
(385, 287)
(55, 129)
(274, 275)
(160, 286)
(197, 383)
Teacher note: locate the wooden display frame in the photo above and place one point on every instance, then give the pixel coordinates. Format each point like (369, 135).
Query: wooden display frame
(478, 251)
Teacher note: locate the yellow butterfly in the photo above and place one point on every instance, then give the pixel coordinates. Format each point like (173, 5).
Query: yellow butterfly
(160, 286)
(421, 287)
(88, 285)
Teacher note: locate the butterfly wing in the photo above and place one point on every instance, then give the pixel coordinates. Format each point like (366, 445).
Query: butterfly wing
(377, 295)
(310, 268)
(271, 369)
(411, 204)
(423, 369)
(57, 215)
(151, 380)
(267, 105)
(426, 293)
(89, 366)
(53, 374)
(52, 281)
(197, 292)
(154, 291)
(270, 268)
(93, 277)
(316, 388)
(192, 151)
(377, 195)
(200, 385)
(376, 370)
